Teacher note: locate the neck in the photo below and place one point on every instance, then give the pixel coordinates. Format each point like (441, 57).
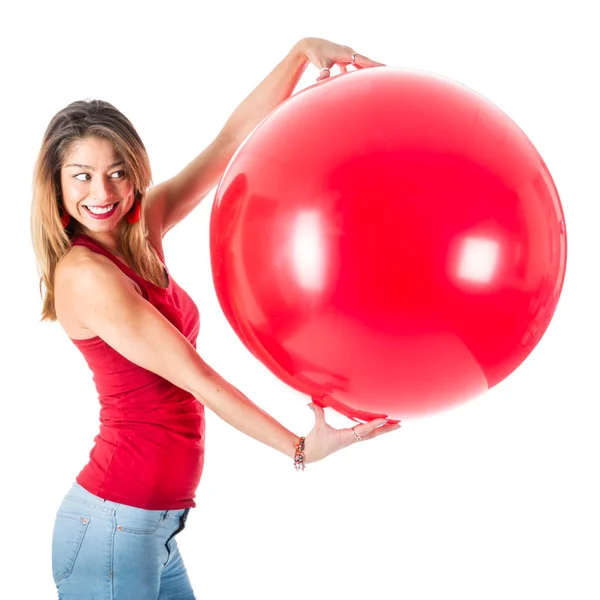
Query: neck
(111, 240)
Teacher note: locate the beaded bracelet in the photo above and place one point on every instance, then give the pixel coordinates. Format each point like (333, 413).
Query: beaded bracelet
(299, 456)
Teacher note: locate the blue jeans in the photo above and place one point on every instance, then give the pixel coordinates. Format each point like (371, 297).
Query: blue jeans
(103, 550)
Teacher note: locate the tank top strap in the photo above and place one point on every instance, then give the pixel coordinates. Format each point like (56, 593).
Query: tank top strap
(83, 240)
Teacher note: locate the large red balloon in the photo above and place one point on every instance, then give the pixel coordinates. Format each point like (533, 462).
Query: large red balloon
(388, 241)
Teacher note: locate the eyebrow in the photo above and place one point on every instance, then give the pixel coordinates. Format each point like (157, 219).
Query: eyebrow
(117, 164)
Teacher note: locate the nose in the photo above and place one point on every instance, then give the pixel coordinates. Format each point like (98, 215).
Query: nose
(100, 189)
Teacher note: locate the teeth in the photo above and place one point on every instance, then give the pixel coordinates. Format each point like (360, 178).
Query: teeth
(100, 211)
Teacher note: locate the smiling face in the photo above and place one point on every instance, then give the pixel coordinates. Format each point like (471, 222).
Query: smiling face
(96, 189)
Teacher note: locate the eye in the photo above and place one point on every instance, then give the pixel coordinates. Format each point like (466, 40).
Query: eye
(118, 174)
(80, 176)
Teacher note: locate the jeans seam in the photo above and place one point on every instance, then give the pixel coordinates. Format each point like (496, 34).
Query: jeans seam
(134, 531)
(104, 509)
(112, 557)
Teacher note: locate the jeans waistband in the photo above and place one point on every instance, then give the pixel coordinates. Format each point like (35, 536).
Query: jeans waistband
(78, 493)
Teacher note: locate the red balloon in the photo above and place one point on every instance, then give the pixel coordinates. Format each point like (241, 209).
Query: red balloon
(389, 242)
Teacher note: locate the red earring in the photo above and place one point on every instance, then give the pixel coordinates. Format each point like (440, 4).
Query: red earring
(65, 218)
(133, 216)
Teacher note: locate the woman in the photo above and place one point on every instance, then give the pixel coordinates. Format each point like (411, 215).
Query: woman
(97, 232)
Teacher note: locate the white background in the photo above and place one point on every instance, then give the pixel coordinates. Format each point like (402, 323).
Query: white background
(495, 499)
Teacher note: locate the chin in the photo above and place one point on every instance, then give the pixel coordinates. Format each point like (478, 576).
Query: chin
(108, 226)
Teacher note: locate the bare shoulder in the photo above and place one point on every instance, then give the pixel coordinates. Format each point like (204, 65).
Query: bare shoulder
(81, 268)
(81, 277)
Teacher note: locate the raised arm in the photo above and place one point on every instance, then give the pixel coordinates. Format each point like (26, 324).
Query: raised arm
(102, 299)
(171, 201)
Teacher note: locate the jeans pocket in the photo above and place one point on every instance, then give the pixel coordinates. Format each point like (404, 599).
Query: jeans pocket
(139, 521)
(69, 531)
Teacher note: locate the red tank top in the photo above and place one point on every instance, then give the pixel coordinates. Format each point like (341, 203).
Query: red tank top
(149, 452)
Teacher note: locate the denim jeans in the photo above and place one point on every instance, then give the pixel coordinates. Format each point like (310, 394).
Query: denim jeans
(103, 550)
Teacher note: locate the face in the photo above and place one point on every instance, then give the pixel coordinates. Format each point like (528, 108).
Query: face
(96, 189)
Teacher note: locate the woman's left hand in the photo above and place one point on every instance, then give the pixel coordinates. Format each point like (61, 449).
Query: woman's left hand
(325, 55)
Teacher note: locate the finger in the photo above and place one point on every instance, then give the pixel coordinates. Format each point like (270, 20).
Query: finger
(319, 412)
(324, 66)
(324, 73)
(380, 431)
(343, 68)
(362, 62)
(365, 429)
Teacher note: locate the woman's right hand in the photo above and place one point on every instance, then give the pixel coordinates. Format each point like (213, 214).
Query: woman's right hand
(324, 440)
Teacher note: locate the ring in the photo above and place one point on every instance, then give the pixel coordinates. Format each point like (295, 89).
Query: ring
(358, 438)
(354, 58)
(324, 69)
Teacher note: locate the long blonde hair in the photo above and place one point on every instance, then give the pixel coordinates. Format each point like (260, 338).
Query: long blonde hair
(51, 241)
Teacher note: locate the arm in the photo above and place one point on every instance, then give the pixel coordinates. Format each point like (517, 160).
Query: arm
(104, 301)
(171, 201)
